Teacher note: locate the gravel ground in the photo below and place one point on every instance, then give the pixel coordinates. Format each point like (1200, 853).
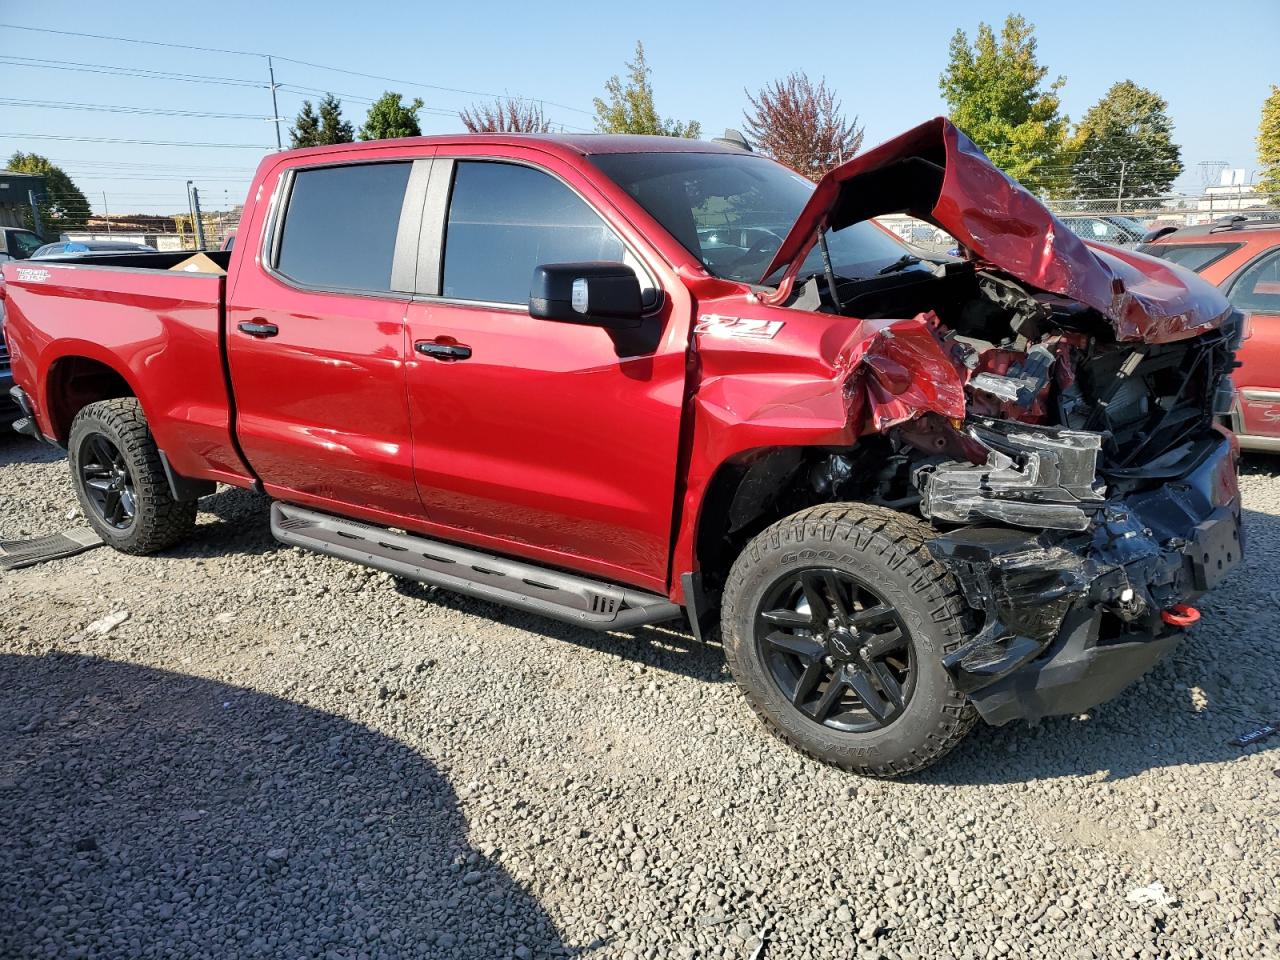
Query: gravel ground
(281, 755)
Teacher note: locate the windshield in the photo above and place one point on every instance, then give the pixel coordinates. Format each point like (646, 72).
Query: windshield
(732, 211)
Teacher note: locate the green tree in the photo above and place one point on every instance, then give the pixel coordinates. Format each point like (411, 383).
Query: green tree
(64, 206)
(1124, 146)
(995, 93)
(317, 130)
(389, 117)
(333, 129)
(1269, 145)
(305, 131)
(630, 107)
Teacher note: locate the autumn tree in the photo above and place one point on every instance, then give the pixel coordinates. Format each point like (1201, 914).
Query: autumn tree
(1124, 146)
(995, 93)
(389, 117)
(630, 107)
(64, 206)
(800, 124)
(505, 115)
(1269, 145)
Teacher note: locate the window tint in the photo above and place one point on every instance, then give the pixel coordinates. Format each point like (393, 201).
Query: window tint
(732, 211)
(340, 227)
(25, 244)
(504, 220)
(1259, 287)
(1193, 256)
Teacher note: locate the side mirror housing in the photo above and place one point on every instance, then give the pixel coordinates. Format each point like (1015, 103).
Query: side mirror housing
(601, 294)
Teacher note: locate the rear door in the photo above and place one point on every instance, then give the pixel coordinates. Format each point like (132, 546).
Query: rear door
(1256, 291)
(554, 441)
(315, 336)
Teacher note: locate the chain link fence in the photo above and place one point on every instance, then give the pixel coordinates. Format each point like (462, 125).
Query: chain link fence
(163, 232)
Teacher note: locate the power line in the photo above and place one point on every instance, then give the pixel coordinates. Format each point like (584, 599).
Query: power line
(123, 108)
(118, 71)
(148, 143)
(301, 63)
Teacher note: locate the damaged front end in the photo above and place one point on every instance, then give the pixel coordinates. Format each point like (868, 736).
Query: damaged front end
(1051, 408)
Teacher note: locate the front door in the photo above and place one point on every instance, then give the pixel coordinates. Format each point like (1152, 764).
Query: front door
(549, 440)
(315, 340)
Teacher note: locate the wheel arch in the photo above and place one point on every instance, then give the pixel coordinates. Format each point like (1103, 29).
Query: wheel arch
(76, 379)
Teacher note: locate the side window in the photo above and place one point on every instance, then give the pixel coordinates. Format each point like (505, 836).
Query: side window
(25, 244)
(340, 226)
(1258, 288)
(505, 220)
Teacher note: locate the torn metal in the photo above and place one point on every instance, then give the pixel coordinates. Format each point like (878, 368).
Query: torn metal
(1044, 477)
(1059, 605)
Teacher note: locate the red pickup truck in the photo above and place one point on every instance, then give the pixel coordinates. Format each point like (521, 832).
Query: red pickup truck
(615, 380)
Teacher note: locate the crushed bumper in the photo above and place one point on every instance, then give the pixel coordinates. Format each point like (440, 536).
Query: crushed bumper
(1071, 617)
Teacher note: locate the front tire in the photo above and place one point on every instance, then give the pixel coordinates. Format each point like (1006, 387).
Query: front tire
(835, 623)
(116, 470)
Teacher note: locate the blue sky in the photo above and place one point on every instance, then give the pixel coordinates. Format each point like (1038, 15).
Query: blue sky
(1208, 60)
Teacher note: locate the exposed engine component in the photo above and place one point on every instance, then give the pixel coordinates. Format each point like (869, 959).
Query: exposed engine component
(1042, 477)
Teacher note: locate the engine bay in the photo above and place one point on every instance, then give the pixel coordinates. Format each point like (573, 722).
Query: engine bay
(1059, 413)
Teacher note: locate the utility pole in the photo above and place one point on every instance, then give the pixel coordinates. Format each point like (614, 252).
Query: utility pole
(275, 109)
(35, 213)
(1120, 193)
(191, 210)
(106, 212)
(195, 206)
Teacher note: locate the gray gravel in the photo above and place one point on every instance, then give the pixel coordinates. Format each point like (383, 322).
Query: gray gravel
(276, 754)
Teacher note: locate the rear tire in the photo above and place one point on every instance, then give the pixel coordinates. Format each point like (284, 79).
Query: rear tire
(835, 622)
(121, 484)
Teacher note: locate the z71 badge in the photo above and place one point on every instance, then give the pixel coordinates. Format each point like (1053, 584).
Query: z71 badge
(715, 325)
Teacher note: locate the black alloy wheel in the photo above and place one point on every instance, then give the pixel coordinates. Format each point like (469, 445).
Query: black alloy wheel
(107, 482)
(836, 649)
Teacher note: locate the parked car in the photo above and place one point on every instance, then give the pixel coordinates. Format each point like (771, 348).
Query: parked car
(1106, 228)
(18, 243)
(1241, 256)
(72, 249)
(909, 493)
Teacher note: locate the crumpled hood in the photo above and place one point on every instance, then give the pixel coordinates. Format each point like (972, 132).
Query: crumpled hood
(937, 174)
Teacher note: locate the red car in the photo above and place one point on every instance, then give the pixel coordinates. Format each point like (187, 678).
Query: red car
(1241, 256)
(617, 380)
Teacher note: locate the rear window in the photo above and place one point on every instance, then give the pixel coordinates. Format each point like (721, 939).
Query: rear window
(1193, 256)
(340, 226)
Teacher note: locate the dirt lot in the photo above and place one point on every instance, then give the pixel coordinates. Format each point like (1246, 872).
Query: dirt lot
(280, 755)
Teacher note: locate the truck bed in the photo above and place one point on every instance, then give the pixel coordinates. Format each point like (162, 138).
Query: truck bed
(166, 325)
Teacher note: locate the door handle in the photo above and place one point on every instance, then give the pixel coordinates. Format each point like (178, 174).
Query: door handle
(257, 329)
(442, 351)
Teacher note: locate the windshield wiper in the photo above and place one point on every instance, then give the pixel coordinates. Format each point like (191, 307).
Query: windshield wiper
(904, 261)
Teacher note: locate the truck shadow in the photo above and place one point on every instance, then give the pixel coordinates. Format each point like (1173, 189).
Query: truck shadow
(145, 810)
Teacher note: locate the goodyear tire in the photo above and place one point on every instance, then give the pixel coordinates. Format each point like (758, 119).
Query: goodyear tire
(835, 621)
(116, 470)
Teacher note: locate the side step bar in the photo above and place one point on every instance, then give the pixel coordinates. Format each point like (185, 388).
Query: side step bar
(561, 596)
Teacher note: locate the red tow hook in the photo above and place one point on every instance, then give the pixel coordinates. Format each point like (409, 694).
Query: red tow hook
(1180, 615)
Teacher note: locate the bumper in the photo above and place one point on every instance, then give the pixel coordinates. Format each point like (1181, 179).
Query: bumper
(1070, 618)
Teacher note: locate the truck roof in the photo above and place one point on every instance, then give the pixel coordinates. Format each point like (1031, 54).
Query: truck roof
(584, 144)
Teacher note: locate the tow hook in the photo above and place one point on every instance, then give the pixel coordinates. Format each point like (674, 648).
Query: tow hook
(1180, 615)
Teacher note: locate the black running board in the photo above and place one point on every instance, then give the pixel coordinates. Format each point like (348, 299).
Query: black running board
(562, 596)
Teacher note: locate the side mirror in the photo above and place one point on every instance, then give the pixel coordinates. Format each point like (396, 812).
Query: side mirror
(600, 294)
